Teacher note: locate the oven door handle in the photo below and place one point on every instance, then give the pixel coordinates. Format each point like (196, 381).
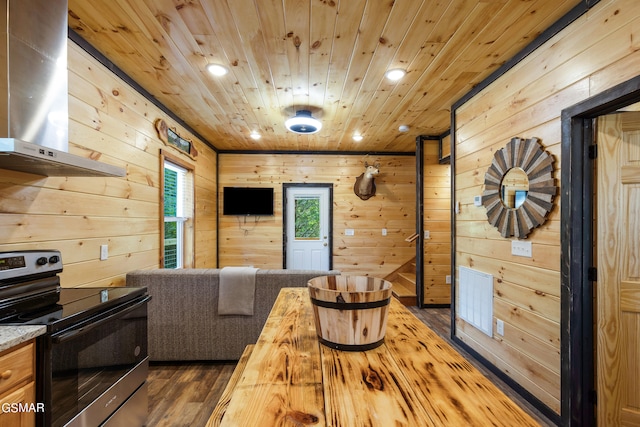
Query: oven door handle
(66, 336)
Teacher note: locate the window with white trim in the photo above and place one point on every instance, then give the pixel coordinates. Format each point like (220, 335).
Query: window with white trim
(178, 212)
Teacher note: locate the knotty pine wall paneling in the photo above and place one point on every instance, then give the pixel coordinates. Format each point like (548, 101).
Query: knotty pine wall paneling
(437, 220)
(595, 52)
(113, 123)
(258, 242)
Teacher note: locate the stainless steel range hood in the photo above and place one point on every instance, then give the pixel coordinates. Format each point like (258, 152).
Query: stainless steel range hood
(34, 108)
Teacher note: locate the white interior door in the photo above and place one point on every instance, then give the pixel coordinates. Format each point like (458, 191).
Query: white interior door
(308, 228)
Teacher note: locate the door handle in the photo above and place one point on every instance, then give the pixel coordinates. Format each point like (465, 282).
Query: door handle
(325, 244)
(73, 333)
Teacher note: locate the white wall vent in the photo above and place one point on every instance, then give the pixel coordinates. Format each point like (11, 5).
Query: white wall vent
(475, 299)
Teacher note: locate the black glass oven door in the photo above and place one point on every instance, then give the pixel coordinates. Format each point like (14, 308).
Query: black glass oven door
(84, 361)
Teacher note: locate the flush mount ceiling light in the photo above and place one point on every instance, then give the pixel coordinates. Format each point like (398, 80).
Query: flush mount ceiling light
(217, 69)
(357, 137)
(255, 135)
(303, 123)
(395, 74)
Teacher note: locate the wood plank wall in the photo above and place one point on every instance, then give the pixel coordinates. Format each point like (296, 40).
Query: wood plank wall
(594, 53)
(367, 252)
(437, 220)
(111, 121)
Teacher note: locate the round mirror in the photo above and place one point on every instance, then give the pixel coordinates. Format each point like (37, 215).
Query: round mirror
(514, 188)
(519, 187)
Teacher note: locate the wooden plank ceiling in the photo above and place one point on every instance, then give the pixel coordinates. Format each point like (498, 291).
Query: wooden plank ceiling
(327, 56)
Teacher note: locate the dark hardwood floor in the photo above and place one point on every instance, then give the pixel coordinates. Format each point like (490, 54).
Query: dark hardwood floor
(184, 394)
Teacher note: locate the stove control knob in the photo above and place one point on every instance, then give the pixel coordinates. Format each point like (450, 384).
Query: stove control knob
(42, 260)
(54, 259)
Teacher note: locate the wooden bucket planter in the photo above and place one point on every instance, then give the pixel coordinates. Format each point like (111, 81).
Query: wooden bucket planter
(350, 312)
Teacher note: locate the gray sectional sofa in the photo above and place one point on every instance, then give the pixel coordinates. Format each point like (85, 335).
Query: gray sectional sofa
(183, 313)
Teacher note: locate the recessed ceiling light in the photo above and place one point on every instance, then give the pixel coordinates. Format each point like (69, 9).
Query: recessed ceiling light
(357, 137)
(303, 123)
(217, 69)
(255, 135)
(403, 128)
(395, 74)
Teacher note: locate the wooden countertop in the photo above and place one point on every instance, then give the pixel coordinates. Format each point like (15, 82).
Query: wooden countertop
(414, 379)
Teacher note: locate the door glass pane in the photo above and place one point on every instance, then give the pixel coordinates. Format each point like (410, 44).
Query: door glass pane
(307, 218)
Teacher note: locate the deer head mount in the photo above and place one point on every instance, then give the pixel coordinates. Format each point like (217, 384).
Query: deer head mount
(365, 186)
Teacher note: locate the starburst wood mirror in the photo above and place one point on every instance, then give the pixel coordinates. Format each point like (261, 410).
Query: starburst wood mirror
(519, 188)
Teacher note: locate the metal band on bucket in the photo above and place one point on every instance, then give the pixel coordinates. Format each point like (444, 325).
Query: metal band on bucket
(351, 347)
(350, 305)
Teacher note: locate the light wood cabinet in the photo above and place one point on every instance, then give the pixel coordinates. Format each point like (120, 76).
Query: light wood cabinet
(17, 386)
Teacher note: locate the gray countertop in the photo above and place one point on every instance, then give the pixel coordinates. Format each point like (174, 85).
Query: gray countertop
(10, 336)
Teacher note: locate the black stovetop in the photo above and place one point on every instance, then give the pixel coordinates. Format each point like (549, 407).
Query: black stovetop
(74, 305)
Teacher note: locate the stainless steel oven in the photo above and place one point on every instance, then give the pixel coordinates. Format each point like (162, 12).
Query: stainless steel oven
(92, 363)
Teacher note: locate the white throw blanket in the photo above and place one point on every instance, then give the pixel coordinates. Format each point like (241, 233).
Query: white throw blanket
(236, 292)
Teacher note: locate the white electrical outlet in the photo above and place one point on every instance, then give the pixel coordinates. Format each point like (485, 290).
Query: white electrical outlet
(104, 252)
(384, 231)
(447, 279)
(349, 232)
(477, 200)
(427, 234)
(519, 248)
(500, 327)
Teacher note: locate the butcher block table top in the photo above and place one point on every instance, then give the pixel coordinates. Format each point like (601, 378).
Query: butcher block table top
(414, 379)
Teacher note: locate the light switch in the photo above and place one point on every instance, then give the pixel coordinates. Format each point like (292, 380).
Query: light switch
(519, 248)
(349, 232)
(104, 252)
(500, 327)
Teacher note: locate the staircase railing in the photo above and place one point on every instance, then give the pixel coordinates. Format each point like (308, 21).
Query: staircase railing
(411, 238)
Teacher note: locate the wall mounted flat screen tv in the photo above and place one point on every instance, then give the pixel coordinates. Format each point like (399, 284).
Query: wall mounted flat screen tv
(247, 201)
